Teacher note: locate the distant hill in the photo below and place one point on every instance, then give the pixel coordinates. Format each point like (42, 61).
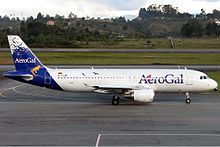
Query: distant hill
(155, 21)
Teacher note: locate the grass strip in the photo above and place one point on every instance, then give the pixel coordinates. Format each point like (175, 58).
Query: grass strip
(91, 58)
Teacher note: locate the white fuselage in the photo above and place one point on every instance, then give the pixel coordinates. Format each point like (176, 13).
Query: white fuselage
(159, 80)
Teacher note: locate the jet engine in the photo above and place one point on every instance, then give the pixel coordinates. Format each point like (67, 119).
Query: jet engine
(143, 95)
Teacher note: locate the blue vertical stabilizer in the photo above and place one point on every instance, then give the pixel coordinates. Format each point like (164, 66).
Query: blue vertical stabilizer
(23, 57)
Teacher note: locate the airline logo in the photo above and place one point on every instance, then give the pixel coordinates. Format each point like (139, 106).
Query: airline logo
(35, 69)
(28, 60)
(17, 45)
(167, 79)
(20, 50)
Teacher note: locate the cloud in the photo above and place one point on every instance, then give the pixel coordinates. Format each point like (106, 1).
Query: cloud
(98, 8)
(208, 0)
(122, 4)
(92, 8)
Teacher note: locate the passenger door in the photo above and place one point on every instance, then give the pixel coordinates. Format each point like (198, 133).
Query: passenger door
(189, 78)
(47, 79)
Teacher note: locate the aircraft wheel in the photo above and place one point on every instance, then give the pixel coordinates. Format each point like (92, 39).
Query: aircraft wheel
(188, 101)
(115, 101)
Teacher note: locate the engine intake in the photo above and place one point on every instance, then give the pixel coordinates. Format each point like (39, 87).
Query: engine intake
(143, 95)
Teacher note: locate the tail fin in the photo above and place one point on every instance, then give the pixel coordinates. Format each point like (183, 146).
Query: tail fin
(24, 58)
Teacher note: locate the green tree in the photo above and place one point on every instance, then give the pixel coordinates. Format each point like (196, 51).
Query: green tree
(125, 28)
(192, 29)
(212, 29)
(30, 19)
(23, 29)
(169, 11)
(36, 28)
(40, 17)
(216, 13)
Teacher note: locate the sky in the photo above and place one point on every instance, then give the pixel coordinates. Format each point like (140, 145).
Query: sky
(97, 8)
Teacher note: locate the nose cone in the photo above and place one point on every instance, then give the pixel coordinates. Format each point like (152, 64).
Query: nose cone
(213, 85)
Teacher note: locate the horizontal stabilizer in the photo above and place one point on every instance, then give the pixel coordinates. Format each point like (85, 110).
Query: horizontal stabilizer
(26, 77)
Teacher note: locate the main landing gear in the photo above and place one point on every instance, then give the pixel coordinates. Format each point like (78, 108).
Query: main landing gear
(188, 100)
(115, 100)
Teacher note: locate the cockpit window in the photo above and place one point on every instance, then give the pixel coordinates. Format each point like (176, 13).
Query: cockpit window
(203, 77)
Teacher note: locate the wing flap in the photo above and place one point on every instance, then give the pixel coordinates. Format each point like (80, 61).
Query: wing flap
(120, 87)
(117, 88)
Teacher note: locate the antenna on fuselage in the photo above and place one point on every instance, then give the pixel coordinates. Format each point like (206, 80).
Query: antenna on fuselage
(83, 74)
(93, 71)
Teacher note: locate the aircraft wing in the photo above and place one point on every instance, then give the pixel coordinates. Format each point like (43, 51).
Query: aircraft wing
(117, 88)
(131, 87)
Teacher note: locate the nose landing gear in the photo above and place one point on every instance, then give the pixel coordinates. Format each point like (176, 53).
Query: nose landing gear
(188, 100)
(115, 100)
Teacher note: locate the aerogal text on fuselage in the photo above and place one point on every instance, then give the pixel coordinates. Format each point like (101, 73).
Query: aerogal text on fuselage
(167, 79)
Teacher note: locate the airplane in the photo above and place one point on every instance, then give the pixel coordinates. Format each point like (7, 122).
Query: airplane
(137, 84)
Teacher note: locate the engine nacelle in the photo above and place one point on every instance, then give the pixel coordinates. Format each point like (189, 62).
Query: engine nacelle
(143, 95)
